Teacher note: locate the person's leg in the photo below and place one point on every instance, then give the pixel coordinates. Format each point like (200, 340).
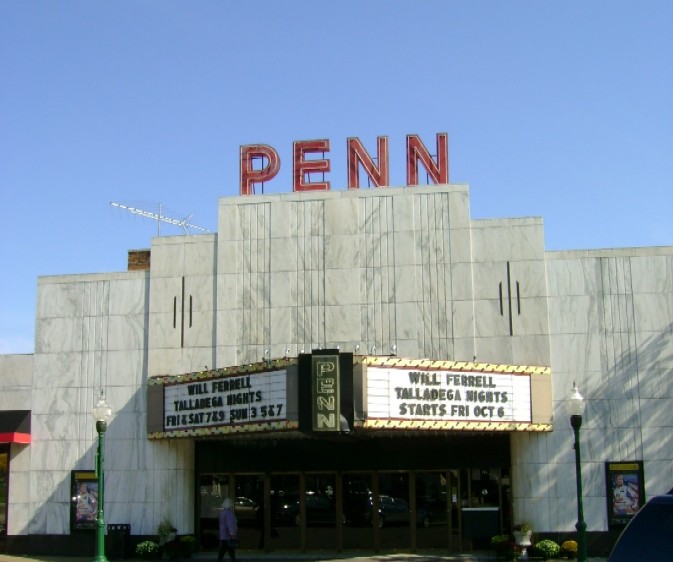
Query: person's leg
(232, 553)
(221, 551)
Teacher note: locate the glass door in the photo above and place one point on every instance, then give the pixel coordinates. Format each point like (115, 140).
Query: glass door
(394, 514)
(213, 488)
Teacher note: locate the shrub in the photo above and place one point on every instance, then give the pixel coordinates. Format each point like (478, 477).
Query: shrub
(147, 550)
(546, 549)
(569, 549)
(189, 545)
(498, 541)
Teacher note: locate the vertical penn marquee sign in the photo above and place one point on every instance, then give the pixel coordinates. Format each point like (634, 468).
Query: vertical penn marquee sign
(325, 392)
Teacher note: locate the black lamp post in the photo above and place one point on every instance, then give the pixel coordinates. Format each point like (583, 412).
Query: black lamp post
(575, 408)
(101, 413)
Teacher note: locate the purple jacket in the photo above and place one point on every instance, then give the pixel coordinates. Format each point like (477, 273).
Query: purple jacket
(228, 525)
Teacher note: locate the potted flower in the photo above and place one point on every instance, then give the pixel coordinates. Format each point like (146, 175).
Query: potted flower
(522, 536)
(166, 531)
(147, 550)
(569, 549)
(546, 549)
(498, 543)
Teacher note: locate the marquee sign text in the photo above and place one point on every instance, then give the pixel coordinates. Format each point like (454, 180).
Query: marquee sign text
(401, 394)
(260, 163)
(232, 400)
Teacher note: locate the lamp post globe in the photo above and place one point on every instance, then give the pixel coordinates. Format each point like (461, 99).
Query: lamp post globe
(575, 408)
(102, 412)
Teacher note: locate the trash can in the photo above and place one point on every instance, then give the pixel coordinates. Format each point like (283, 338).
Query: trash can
(118, 541)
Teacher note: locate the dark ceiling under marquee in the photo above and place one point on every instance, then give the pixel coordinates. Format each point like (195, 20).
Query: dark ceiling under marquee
(14, 426)
(346, 453)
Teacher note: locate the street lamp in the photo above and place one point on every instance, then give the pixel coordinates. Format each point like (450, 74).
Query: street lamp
(575, 409)
(101, 413)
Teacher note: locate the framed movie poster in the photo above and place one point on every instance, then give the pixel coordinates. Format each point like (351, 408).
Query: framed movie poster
(84, 500)
(625, 491)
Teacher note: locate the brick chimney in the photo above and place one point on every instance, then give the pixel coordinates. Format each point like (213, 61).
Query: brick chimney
(139, 260)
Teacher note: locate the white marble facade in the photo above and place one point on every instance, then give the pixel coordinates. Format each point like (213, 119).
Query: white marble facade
(374, 268)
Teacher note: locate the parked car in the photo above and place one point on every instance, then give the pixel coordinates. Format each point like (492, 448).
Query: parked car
(396, 510)
(319, 511)
(245, 510)
(648, 535)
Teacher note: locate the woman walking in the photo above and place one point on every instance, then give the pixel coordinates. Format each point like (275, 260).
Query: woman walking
(228, 531)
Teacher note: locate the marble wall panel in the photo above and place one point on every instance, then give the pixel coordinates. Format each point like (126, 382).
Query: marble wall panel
(460, 245)
(128, 296)
(16, 371)
(198, 329)
(507, 240)
(342, 216)
(164, 361)
(163, 292)
(342, 251)
(283, 254)
(495, 349)
(283, 325)
(652, 274)
(342, 286)
(125, 332)
(283, 286)
(657, 412)
(658, 477)
(197, 359)
(576, 352)
(58, 299)
(341, 322)
(21, 514)
(459, 207)
(406, 279)
(653, 312)
(405, 249)
(227, 219)
(530, 317)
(128, 366)
(490, 319)
(531, 350)
(168, 257)
(463, 349)
(227, 256)
(200, 288)
(573, 315)
(227, 292)
(54, 455)
(164, 330)
(200, 255)
(486, 278)
(460, 282)
(58, 334)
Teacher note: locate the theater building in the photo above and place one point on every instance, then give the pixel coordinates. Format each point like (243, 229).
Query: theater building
(366, 369)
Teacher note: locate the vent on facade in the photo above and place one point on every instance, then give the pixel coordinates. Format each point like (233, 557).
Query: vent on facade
(139, 260)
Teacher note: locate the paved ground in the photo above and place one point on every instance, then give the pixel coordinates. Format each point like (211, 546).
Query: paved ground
(255, 556)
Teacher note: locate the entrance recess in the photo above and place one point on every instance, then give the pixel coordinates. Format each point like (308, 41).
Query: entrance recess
(406, 493)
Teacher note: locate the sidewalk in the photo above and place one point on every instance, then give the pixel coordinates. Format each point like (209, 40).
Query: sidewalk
(256, 556)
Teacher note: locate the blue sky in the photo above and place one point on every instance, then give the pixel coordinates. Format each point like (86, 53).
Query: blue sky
(562, 110)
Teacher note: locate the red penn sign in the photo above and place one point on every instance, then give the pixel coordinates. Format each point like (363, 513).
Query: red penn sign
(260, 163)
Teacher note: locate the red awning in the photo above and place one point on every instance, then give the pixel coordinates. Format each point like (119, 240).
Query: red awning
(14, 426)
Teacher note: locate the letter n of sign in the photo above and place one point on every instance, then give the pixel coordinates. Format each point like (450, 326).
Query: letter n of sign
(325, 392)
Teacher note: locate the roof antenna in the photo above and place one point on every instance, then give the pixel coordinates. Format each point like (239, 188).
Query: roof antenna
(160, 218)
